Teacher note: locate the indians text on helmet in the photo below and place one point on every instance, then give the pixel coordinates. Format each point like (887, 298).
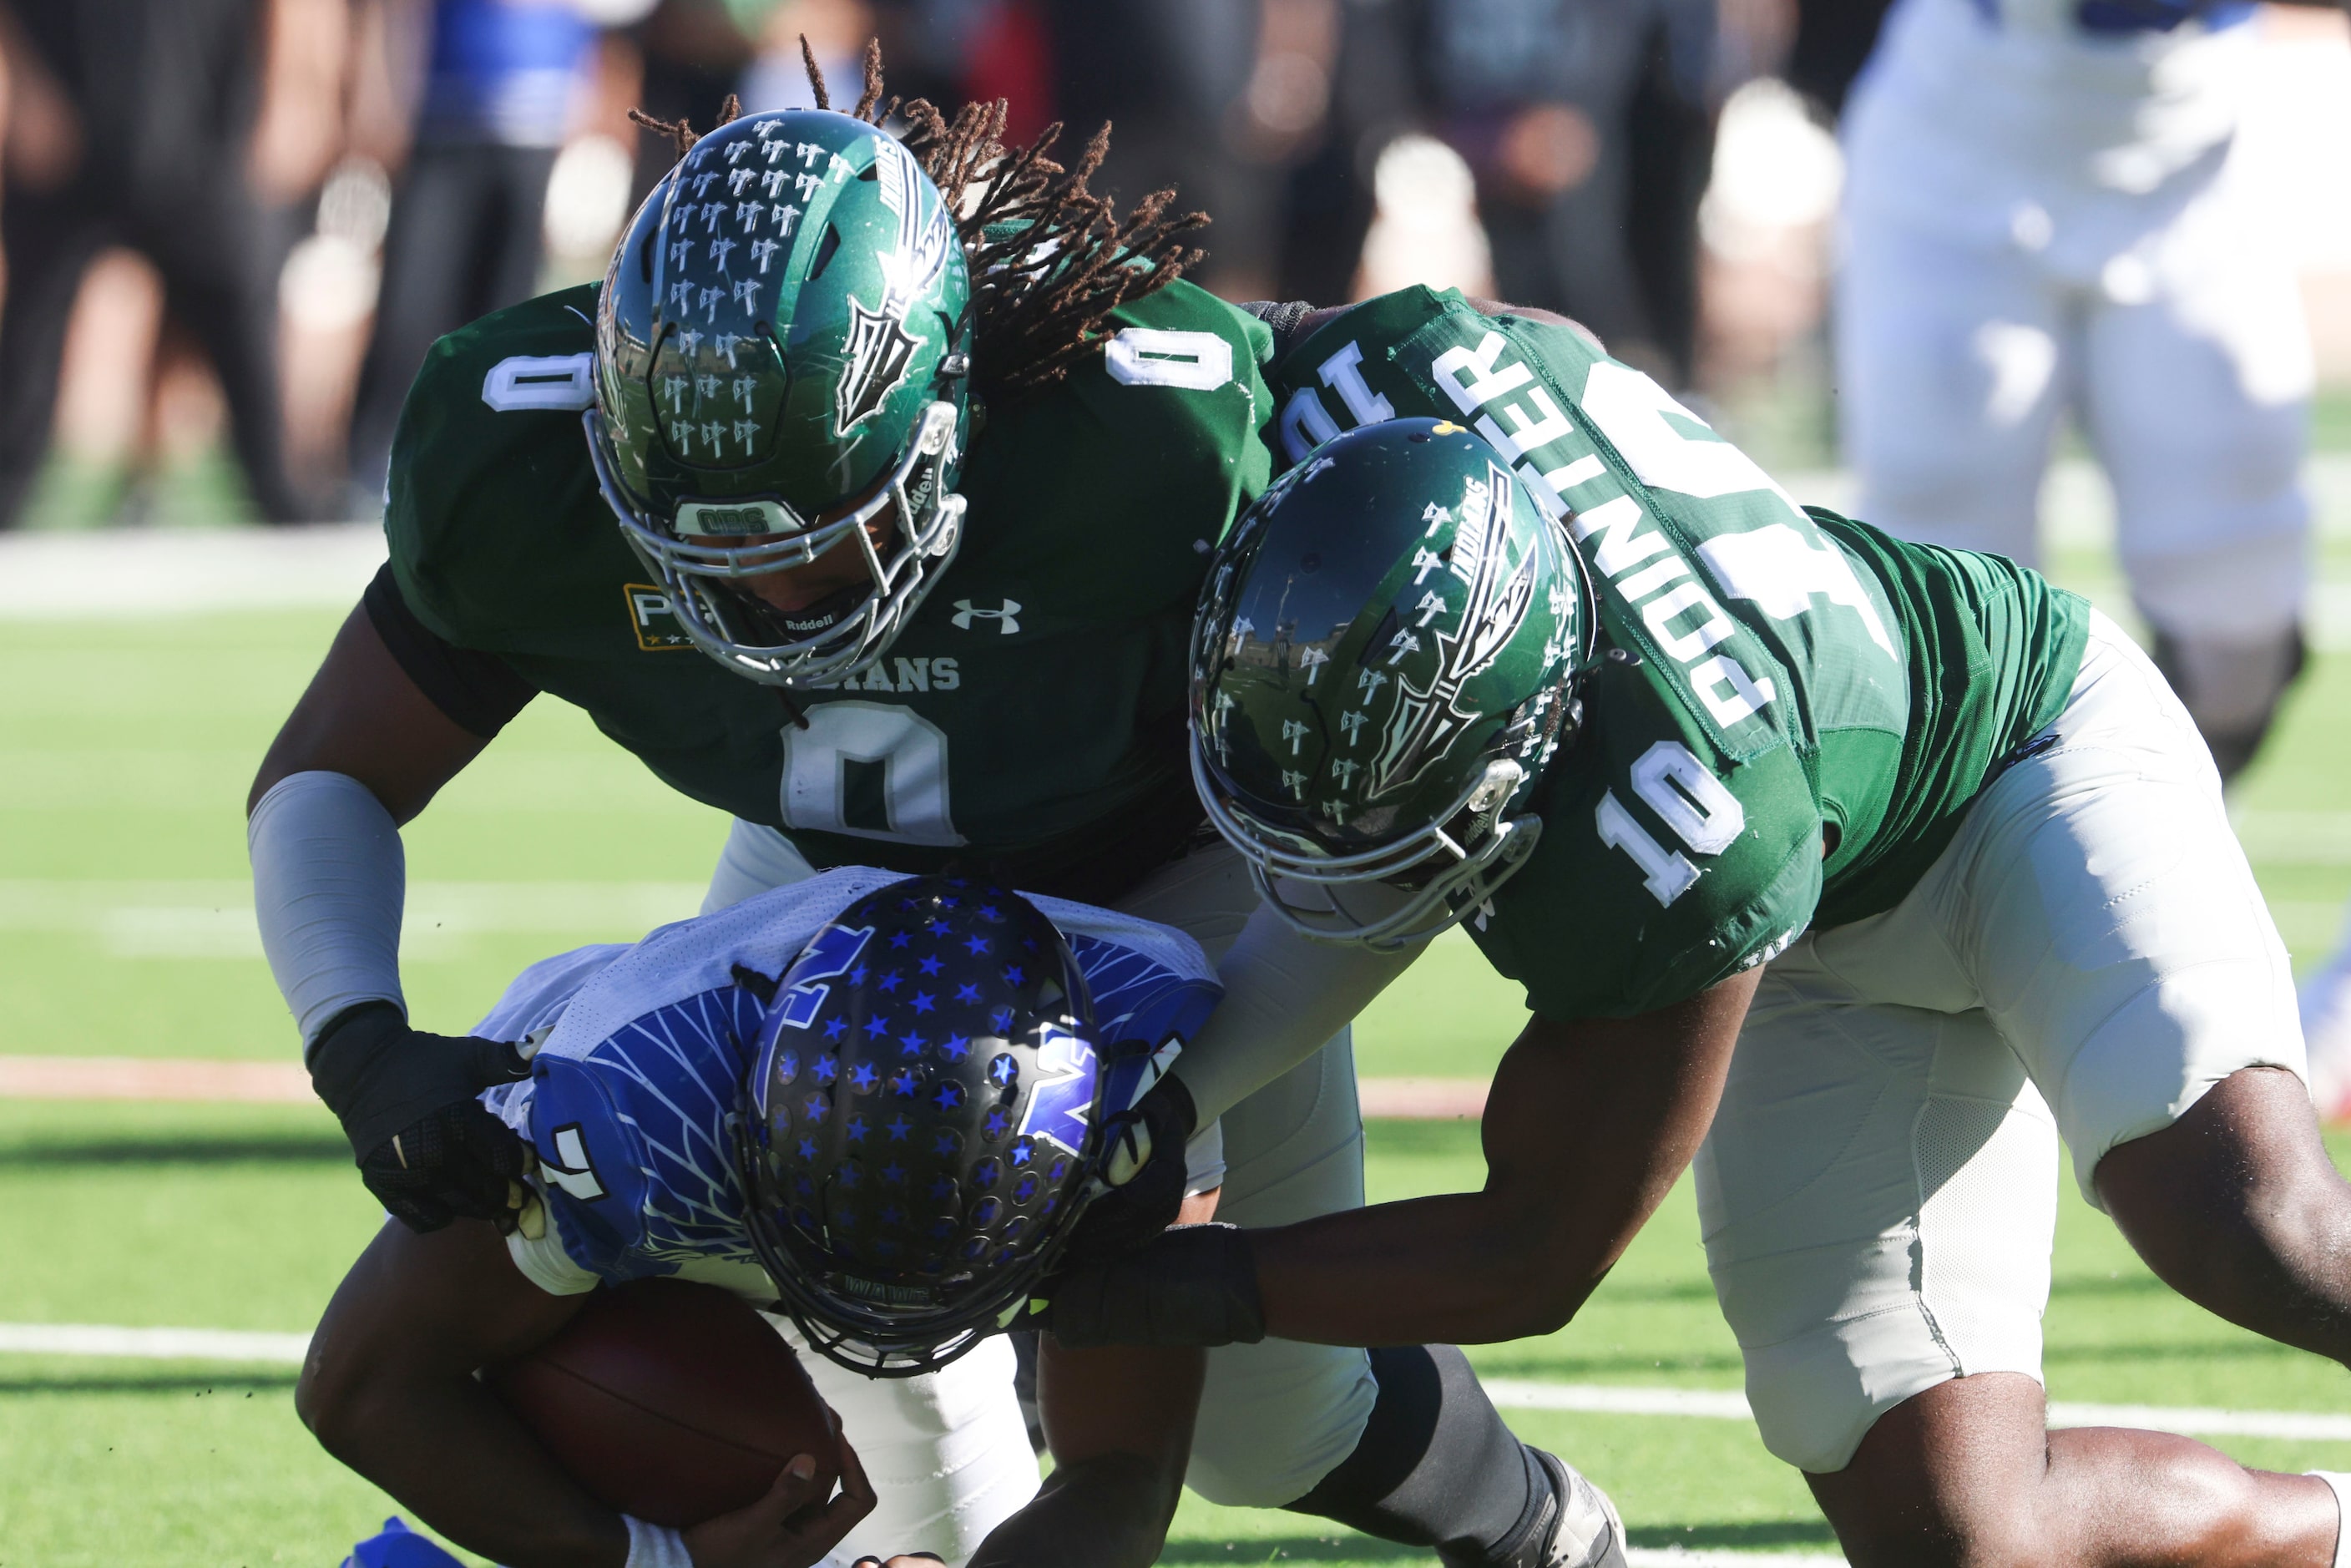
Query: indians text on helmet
(880, 349)
(1498, 591)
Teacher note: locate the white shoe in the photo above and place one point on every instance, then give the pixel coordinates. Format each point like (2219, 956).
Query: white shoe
(1586, 1533)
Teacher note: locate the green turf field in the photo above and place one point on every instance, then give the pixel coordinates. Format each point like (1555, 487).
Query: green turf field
(128, 748)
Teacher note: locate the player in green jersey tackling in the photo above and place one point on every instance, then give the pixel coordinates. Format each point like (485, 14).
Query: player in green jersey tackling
(1929, 841)
(867, 500)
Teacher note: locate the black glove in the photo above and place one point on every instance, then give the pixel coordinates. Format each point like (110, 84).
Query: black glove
(1193, 1284)
(425, 1146)
(1143, 1164)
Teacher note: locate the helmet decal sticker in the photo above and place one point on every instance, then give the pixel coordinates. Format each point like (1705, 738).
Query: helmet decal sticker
(1059, 1107)
(1428, 718)
(880, 350)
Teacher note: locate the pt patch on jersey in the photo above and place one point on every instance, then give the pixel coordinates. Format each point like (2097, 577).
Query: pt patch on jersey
(653, 617)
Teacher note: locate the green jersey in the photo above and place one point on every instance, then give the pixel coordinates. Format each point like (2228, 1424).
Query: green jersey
(1810, 705)
(1031, 714)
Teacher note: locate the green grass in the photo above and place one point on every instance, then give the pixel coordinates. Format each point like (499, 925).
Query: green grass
(244, 1218)
(128, 748)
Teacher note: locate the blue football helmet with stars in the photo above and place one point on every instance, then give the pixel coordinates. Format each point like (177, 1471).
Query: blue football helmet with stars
(921, 1121)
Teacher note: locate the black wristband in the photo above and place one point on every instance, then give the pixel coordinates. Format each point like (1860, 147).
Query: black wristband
(1193, 1285)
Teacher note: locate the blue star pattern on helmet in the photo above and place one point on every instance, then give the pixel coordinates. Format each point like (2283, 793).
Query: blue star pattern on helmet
(641, 1116)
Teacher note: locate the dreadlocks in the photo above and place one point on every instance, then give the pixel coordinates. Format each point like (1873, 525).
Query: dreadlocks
(1049, 259)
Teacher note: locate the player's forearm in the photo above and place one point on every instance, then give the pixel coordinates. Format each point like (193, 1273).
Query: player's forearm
(1587, 1128)
(1108, 1511)
(1456, 1269)
(330, 879)
(455, 1457)
(1285, 996)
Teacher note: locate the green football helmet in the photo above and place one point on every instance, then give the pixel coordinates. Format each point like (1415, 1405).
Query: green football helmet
(782, 363)
(1385, 658)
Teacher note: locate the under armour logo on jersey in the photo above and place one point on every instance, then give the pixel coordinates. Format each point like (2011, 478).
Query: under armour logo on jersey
(571, 1169)
(1007, 619)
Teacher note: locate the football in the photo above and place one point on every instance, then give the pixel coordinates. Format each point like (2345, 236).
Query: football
(671, 1401)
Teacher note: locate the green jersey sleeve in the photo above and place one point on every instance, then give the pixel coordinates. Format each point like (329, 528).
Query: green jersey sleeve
(1030, 714)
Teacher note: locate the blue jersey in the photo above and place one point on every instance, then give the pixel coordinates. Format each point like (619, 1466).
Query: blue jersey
(504, 71)
(644, 1050)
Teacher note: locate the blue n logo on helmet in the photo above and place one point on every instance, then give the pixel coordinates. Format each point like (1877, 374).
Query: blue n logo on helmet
(831, 955)
(1059, 1107)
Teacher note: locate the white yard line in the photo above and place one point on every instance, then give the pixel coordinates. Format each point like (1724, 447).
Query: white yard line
(1510, 1394)
(263, 1082)
(153, 1345)
(1706, 1403)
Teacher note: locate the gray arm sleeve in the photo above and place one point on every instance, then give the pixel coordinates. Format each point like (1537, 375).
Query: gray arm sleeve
(1285, 997)
(328, 880)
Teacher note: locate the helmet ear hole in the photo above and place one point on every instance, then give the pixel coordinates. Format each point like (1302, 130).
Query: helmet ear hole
(826, 248)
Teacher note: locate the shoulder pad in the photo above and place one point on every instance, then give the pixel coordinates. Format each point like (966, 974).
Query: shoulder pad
(634, 1137)
(1118, 479)
(1619, 912)
(497, 532)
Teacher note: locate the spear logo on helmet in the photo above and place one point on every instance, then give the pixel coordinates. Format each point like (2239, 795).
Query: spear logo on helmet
(878, 349)
(1428, 718)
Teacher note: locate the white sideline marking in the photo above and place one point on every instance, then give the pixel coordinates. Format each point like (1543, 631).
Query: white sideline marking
(1727, 1405)
(214, 919)
(1681, 1557)
(109, 573)
(153, 1345)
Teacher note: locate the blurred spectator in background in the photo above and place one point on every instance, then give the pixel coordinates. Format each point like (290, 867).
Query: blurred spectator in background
(1335, 78)
(1589, 126)
(2042, 215)
(695, 53)
(1175, 76)
(1832, 39)
(837, 32)
(132, 123)
(502, 85)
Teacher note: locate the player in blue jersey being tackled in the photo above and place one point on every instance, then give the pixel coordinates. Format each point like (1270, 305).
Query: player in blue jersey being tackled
(785, 1099)
(882, 1106)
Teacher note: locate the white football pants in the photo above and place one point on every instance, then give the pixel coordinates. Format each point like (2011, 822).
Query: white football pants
(2090, 955)
(2184, 358)
(1275, 1418)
